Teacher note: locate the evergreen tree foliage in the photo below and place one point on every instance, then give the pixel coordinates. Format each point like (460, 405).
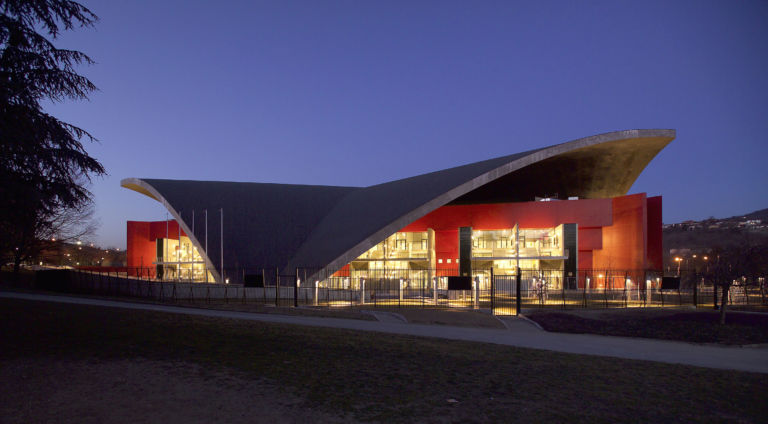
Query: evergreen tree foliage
(44, 167)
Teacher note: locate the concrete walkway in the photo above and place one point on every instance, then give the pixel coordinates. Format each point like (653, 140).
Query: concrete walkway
(518, 333)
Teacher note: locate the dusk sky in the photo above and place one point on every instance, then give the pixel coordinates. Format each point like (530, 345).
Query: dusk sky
(361, 92)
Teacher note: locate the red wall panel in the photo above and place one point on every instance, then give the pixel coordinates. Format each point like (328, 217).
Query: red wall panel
(585, 259)
(655, 239)
(141, 250)
(141, 237)
(586, 212)
(590, 238)
(446, 247)
(624, 242)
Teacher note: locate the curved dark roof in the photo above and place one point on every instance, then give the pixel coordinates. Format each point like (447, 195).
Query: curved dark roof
(322, 226)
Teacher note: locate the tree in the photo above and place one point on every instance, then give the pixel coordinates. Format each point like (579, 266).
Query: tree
(44, 168)
(745, 264)
(64, 225)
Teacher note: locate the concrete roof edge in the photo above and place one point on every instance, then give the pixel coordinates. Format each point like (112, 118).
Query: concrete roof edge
(141, 186)
(487, 177)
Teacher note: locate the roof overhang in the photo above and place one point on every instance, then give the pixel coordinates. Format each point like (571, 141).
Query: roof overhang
(352, 220)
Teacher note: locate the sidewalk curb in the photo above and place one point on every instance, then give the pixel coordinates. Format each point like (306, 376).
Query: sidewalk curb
(378, 315)
(534, 323)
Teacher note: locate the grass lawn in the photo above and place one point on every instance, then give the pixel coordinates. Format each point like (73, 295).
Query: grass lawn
(699, 326)
(377, 377)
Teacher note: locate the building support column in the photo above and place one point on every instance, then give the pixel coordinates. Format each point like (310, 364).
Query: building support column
(431, 277)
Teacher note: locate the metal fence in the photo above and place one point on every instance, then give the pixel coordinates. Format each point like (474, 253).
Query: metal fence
(502, 293)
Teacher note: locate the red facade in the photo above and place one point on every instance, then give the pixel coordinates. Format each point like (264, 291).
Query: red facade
(619, 233)
(142, 246)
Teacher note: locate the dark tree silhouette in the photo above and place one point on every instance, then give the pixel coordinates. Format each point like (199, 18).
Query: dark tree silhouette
(44, 168)
(744, 265)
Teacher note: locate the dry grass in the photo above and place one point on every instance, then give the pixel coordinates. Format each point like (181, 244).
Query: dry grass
(375, 377)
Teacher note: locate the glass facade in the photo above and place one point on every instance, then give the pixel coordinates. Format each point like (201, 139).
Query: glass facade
(180, 260)
(410, 255)
(403, 254)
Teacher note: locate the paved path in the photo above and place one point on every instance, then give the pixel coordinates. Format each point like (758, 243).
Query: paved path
(518, 333)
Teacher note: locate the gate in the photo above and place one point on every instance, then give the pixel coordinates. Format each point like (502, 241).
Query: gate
(505, 294)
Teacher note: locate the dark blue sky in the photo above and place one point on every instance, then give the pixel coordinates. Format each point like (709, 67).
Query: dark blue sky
(359, 93)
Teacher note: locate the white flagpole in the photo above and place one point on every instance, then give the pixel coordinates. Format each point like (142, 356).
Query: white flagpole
(221, 238)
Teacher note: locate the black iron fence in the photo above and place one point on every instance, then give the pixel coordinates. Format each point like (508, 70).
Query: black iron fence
(503, 292)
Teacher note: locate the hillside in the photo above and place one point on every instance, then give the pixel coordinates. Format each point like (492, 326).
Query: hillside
(714, 232)
(762, 215)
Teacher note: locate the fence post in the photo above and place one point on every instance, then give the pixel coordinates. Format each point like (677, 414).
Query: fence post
(714, 293)
(277, 286)
(493, 294)
(517, 293)
(317, 290)
(563, 280)
(296, 290)
(434, 286)
(264, 285)
(695, 290)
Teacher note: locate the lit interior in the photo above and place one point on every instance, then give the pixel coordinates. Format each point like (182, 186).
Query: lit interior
(409, 258)
(180, 260)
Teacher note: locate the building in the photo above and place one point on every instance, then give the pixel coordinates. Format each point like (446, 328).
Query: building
(556, 210)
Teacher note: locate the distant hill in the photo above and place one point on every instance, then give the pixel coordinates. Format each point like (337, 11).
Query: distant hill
(762, 215)
(714, 232)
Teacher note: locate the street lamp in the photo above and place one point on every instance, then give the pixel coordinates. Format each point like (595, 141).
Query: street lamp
(679, 260)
